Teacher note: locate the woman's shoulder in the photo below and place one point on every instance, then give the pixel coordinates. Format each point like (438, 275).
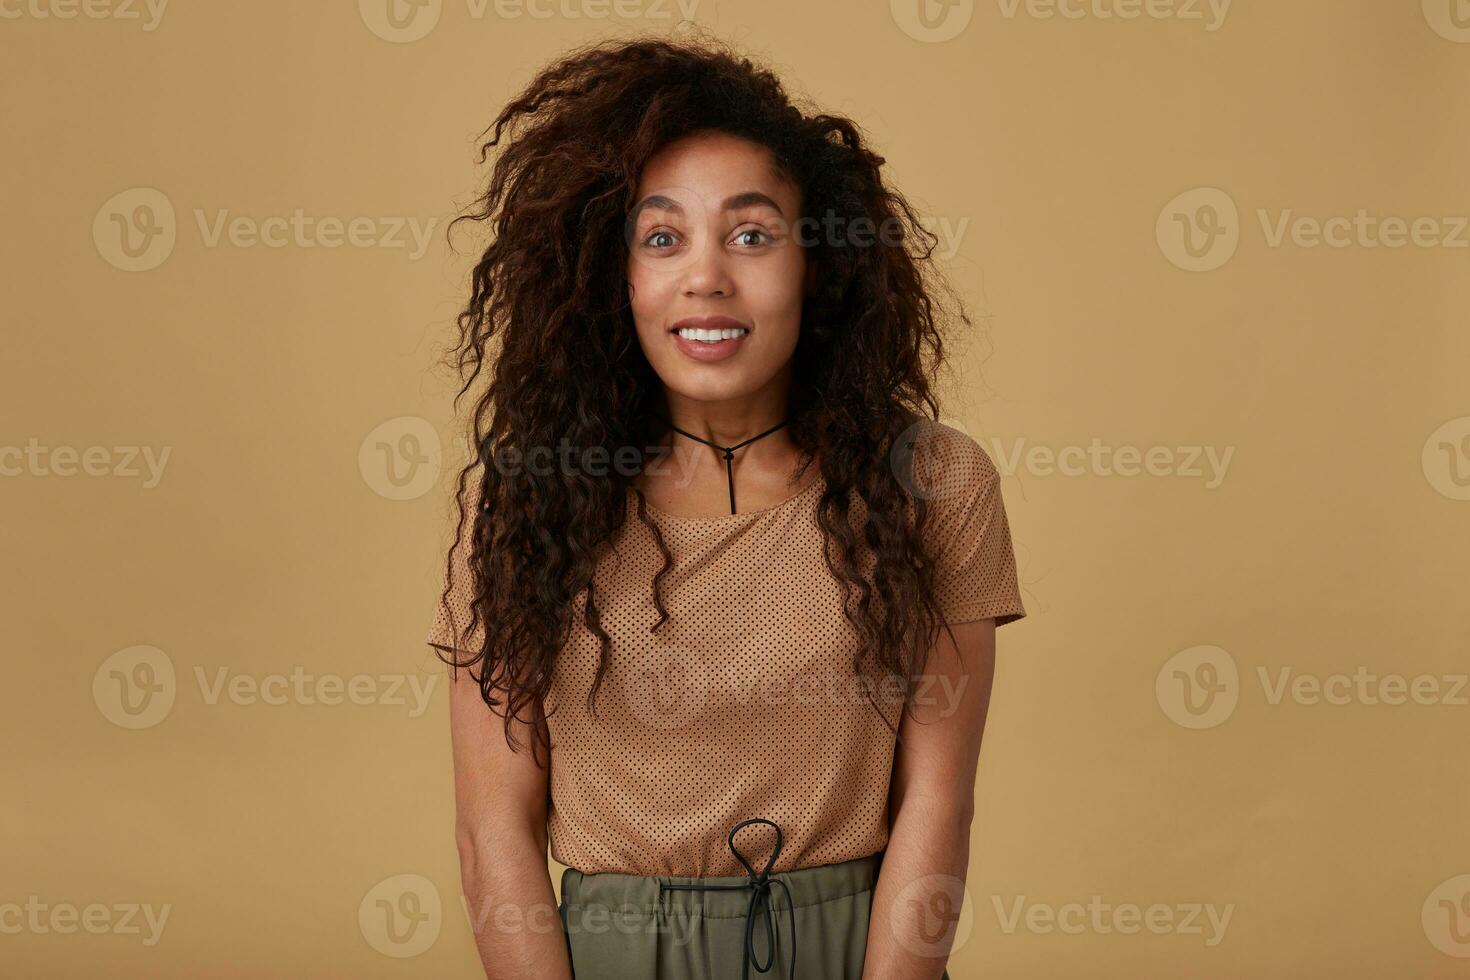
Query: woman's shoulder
(948, 462)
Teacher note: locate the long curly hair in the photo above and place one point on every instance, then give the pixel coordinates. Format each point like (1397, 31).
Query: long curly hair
(548, 321)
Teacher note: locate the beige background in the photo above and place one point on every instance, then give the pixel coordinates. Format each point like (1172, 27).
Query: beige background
(299, 521)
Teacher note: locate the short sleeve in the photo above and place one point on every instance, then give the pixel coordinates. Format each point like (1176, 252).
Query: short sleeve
(450, 624)
(968, 529)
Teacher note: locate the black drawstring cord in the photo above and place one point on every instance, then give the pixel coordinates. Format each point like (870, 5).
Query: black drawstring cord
(729, 451)
(760, 898)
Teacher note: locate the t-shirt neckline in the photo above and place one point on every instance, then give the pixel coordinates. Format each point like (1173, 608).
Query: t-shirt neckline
(741, 515)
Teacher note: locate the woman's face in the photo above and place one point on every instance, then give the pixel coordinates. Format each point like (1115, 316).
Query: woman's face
(712, 246)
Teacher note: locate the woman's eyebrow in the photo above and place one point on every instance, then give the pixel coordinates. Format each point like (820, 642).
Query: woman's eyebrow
(734, 202)
(750, 199)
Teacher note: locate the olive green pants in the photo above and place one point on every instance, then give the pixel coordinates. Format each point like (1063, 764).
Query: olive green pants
(630, 927)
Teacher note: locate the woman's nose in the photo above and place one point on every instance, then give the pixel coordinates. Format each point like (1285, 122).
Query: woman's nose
(707, 273)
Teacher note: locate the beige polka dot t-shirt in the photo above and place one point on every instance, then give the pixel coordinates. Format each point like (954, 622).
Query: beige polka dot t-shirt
(743, 704)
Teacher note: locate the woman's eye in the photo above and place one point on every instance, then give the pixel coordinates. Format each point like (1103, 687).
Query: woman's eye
(760, 236)
(660, 239)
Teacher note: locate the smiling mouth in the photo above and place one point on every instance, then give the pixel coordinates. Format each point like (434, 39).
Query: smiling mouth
(710, 336)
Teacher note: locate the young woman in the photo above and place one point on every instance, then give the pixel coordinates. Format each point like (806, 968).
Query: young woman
(724, 588)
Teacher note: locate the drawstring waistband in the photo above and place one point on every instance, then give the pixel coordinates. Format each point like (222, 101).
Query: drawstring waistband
(760, 898)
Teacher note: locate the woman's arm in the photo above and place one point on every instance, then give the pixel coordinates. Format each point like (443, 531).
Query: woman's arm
(931, 805)
(500, 824)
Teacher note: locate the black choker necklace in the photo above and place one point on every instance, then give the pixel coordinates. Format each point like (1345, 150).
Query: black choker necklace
(729, 451)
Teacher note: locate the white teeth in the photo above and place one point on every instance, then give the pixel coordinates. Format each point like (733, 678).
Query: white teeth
(711, 336)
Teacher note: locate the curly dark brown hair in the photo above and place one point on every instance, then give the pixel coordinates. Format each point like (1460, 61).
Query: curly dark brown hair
(551, 289)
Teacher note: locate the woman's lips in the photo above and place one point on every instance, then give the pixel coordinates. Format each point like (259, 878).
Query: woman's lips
(701, 351)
